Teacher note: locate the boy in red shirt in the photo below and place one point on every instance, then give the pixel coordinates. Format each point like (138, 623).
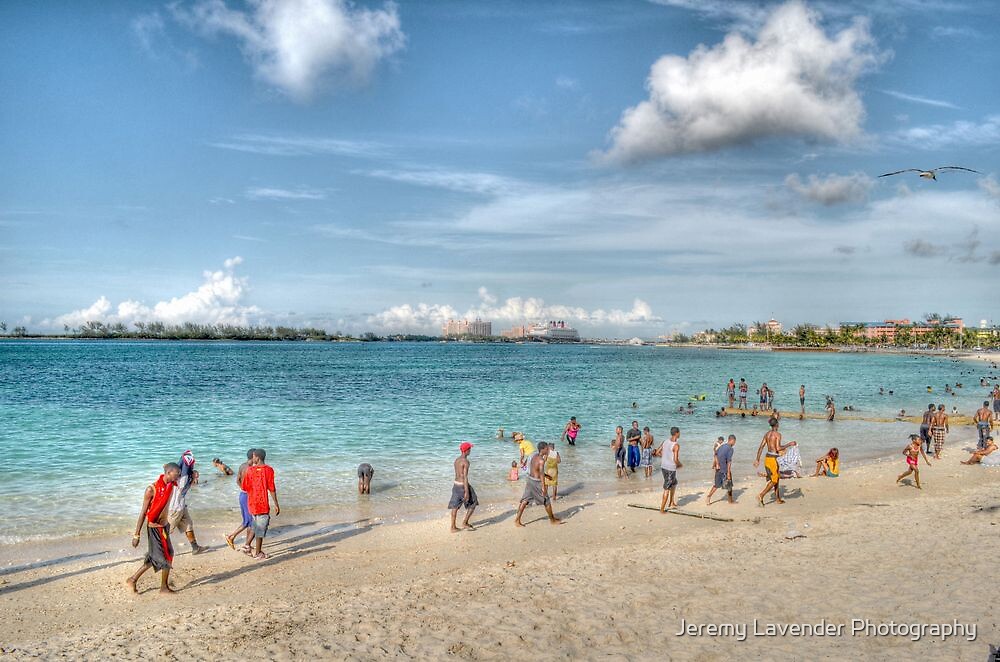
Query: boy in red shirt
(160, 555)
(258, 483)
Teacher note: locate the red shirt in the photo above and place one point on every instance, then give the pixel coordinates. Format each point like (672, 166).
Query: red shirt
(161, 495)
(257, 482)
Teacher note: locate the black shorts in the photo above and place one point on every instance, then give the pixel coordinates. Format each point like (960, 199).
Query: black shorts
(669, 478)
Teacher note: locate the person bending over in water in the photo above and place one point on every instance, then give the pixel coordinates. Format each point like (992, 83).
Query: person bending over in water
(772, 442)
(913, 452)
(222, 467)
(535, 490)
(829, 464)
(365, 473)
(978, 455)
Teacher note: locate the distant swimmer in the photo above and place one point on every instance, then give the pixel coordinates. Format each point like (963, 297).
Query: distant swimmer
(571, 430)
(913, 452)
(635, 406)
(772, 443)
(500, 433)
(930, 174)
(462, 494)
(222, 467)
(365, 473)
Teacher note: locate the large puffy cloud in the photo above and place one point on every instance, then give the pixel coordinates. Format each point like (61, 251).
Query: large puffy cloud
(832, 189)
(429, 318)
(217, 301)
(791, 80)
(295, 45)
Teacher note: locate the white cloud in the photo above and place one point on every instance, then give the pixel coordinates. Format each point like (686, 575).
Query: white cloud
(147, 28)
(918, 99)
(567, 83)
(792, 80)
(265, 193)
(833, 189)
(300, 146)
(300, 45)
(428, 318)
(219, 300)
(990, 186)
(464, 182)
(957, 134)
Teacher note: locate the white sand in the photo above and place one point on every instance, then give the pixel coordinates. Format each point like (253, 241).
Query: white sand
(612, 583)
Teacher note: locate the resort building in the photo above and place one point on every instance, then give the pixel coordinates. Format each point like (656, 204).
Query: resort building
(459, 328)
(886, 330)
(770, 327)
(516, 332)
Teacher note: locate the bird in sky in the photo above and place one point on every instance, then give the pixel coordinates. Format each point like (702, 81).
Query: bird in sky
(932, 173)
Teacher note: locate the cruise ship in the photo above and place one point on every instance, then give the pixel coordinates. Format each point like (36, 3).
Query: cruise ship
(554, 331)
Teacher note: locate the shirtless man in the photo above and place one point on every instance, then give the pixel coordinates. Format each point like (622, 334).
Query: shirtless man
(925, 426)
(731, 392)
(744, 387)
(996, 403)
(802, 398)
(913, 452)
(984, 423)
(462, 493)
(535, 490)
(939, 428)
(977, 456)
(772, 441)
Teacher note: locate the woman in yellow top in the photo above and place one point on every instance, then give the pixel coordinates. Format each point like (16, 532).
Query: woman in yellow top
(829, 464)
(552, 471)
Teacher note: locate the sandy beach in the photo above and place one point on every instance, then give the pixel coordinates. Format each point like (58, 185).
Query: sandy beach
(613, 582)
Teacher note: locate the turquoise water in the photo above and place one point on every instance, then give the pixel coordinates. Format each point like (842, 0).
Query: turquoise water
(86, 425)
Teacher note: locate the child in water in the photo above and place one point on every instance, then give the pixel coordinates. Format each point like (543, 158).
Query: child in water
(514, 473)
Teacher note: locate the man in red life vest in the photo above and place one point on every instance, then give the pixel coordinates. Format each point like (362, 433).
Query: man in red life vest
(160, 554)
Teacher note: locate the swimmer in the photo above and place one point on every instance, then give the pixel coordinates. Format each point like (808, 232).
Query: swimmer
(222, 467)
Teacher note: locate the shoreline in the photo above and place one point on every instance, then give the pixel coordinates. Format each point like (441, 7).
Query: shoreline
(356, 589)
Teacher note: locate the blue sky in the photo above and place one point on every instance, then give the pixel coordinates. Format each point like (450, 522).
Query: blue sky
(631, 167)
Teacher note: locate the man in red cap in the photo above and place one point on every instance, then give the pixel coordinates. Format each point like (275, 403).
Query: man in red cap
(462, 493)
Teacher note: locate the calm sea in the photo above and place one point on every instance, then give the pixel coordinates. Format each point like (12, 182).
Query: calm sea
(86, 425)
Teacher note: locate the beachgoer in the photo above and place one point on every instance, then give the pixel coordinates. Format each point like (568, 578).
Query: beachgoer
(247, 522)
(984, 423)
(802, 398)
(831, 409)
(365, 473)
(772, 442)
(526, 448)
(462, 494)
(996, 403)
(618, 448)
(258, 483)
(913, 451)
(160, 553)
(632, 437)
(177, 510)
(925, 426)
(829, 464)
(763, 396)
(534, 489)
(500, 433)
(669, 452)
(743, 393)
(977, 456)
(222, 467)
(646, 452)
(552, 471)
(514, 473)
(723, 462)
(939, 428)
(571, 431)
(731, 392)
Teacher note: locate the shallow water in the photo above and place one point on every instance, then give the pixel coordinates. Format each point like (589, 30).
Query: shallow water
(86, 425)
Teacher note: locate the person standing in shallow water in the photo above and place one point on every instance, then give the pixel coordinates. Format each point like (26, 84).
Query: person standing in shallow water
(632, 437)
(731, 392)
(571, 431)
(160, 553)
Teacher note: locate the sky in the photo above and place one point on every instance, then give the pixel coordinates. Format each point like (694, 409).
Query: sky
(633, 168)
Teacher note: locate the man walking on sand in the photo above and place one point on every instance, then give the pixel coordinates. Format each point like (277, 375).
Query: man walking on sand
(670, 461)
(462, 493)
(160, 553)
(177, 510)
(247, 521)
(258, 482)
(984, 423)
(939, 428)
(534, 489)
(771, 441)
(723, 470)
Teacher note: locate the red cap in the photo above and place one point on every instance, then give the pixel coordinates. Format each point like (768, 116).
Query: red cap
(465, 447)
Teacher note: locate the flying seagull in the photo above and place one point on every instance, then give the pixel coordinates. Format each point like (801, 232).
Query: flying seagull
(930, 174)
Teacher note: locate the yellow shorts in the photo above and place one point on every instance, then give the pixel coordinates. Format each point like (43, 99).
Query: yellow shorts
(771, 469)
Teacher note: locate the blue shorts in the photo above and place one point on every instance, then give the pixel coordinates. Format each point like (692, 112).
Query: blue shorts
(245, 510)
